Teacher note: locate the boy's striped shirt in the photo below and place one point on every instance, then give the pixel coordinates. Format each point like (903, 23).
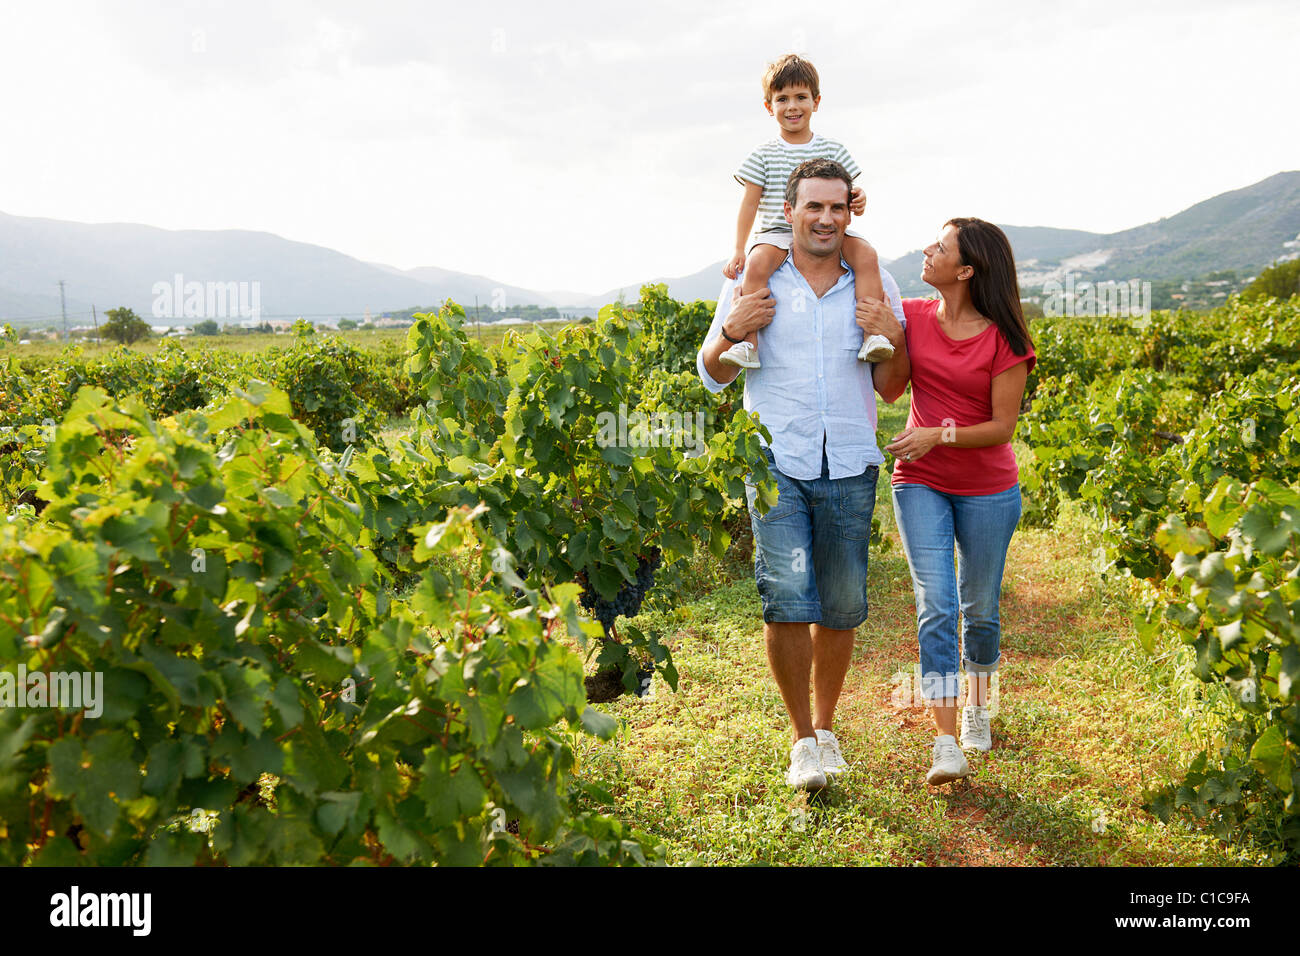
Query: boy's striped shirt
(771, 164)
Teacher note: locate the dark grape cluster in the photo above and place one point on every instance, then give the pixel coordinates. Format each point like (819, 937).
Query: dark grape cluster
(627, 603)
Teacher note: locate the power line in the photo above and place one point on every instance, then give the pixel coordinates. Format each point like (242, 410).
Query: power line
(63, 305)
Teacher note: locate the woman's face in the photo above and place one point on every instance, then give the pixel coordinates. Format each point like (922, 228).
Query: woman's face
(943, 264)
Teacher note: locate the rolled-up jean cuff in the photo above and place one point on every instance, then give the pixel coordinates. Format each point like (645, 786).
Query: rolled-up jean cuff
(792, 612)
(843, 623)
(973, 668)
(936, 686)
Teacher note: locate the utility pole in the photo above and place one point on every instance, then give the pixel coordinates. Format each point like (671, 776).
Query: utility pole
(63, 306)
(94, 316)
(478, 321)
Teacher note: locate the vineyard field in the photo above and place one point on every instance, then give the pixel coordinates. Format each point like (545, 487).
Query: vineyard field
(337, 591)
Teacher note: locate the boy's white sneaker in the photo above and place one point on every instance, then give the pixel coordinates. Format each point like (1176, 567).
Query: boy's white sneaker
(828, 752)
(876, 348)
(976, 734)
(742, 355)
(949, 762)
(805, 771)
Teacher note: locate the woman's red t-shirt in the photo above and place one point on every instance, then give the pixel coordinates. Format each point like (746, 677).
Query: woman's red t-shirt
(952, 384)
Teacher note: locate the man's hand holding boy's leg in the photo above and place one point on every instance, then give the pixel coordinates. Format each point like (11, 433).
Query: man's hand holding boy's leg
(762, 262)
(864, 262)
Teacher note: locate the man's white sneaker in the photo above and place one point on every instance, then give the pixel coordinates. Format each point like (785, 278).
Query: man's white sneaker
(805, 771)
(876, 348)
(976, 734)
(742, 355)
(828, 752)
(949, 762)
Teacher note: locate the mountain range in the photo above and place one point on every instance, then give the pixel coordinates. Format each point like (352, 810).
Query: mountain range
(117, 264)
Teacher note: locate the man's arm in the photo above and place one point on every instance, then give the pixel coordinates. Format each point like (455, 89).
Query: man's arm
(738, 316)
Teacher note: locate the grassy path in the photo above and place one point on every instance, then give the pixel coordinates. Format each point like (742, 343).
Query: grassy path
(1086, 720)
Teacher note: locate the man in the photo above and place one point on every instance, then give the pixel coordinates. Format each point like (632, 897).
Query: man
(815, 397)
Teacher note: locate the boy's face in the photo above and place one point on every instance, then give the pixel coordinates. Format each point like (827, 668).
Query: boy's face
(793, 107)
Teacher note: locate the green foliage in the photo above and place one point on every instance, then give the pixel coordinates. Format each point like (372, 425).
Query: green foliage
(327, 649)
(586, 460)
(1235, 595)
(1182, 434)
(343, 393)
(207, 327)
(672, 330)
(208, 567)
(124, 326)
(332, 393)
(1281, 280)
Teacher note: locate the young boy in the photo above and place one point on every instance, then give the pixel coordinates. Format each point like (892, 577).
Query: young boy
(791, 95)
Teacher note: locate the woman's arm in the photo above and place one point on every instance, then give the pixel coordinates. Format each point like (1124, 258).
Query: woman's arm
(1008, 393)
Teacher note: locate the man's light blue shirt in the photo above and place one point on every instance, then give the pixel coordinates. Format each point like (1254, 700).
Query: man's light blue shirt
(811, 384)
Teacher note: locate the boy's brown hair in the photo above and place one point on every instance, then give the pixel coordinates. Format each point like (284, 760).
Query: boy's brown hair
(790, 70)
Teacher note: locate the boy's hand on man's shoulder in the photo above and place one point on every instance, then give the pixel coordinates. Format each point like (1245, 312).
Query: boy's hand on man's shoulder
(735, 266)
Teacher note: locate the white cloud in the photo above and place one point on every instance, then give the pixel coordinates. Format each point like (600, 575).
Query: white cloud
(589, 145)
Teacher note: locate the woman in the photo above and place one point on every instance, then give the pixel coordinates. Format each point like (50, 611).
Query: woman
(955, 479)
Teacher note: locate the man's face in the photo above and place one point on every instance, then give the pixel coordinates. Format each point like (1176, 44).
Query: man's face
(820, 216)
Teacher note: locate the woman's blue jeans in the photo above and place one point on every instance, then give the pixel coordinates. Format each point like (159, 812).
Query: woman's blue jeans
(980, 526)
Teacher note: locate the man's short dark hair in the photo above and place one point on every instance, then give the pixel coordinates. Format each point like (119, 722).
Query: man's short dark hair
(816, 169)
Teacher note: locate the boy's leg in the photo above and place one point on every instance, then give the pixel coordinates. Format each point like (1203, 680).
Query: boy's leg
(762, 261)
(864, 262)
(862, 259)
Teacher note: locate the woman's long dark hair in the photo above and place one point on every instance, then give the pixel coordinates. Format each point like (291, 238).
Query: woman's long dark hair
(994, 291)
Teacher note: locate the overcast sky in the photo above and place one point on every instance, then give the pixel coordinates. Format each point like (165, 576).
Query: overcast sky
(584, 145)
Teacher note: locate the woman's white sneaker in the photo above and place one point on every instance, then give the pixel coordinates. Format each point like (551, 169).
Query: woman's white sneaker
(949, 762)
(805, 771)
(976, 734)
(828, 752)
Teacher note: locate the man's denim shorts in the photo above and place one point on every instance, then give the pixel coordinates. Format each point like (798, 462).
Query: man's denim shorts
(810, 549)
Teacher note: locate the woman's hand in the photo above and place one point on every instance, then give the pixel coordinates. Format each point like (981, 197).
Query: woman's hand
(912, 443)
